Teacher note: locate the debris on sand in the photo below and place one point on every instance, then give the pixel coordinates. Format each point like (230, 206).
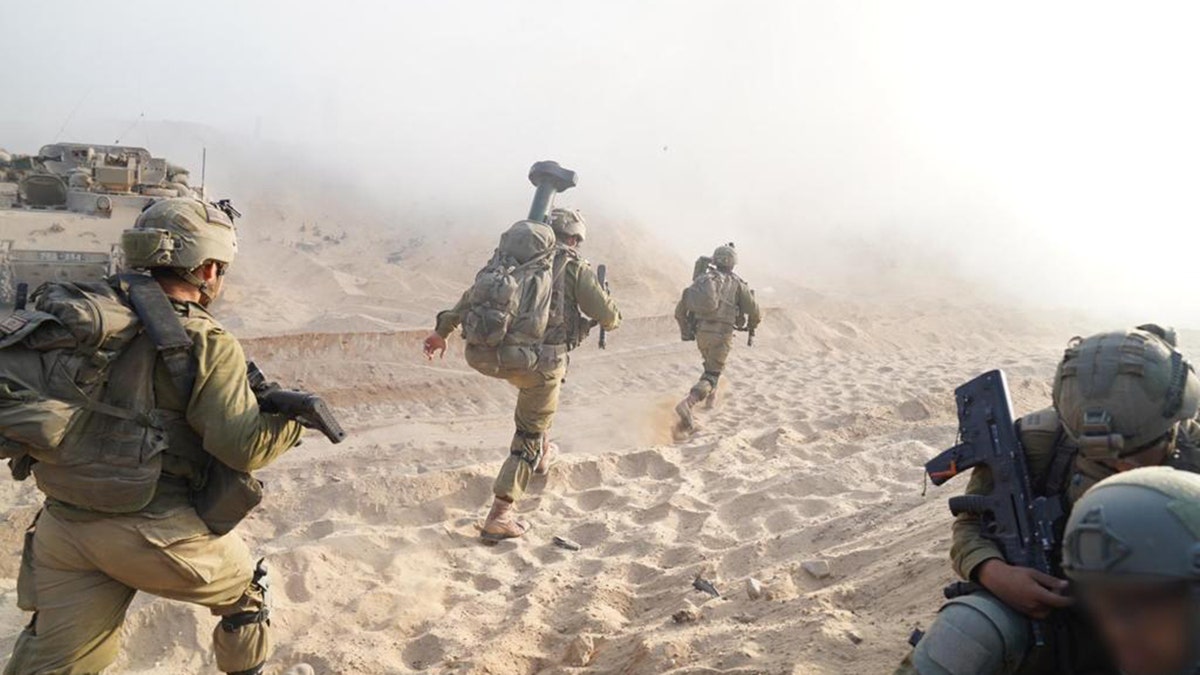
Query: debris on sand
(705, 586)
(580, 651)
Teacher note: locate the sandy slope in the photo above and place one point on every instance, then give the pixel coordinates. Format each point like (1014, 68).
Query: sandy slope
(813, 453)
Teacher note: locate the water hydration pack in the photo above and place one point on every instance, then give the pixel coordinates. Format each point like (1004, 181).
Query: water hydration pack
(77, 403)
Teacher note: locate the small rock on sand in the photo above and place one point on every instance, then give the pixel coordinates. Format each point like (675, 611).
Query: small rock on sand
(689, 614)
(580, 651)
(819, 569)
(754, 588)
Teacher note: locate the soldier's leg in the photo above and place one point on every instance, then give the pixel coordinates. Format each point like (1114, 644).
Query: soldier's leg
(178, 558)
(537, 401)
(974, 634)
(78, 610)
(714, 348)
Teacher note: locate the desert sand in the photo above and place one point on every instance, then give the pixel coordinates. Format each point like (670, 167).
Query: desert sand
(812, 454)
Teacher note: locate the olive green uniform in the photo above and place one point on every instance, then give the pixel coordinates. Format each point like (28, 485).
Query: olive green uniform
(538, 388)
(1055, 468)
(81, 569)
(714, 336)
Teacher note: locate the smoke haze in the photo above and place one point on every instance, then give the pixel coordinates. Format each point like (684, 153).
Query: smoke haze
(1046, 151)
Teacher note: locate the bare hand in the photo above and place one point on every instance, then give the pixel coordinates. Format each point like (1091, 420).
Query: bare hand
(435, 344)
(1026, 590)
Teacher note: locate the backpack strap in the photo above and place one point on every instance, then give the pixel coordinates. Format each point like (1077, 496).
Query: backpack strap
(556, 325)
(164, 328)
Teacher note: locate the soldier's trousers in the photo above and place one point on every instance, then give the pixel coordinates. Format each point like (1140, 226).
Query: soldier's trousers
(714, 348)
(85, 574)
(537, 401)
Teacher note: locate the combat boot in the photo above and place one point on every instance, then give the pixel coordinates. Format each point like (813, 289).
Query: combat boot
(501, 524)
(711, 401)
(549, 458)
(684, 410)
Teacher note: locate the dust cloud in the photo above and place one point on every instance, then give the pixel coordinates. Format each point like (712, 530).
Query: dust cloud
(1042, 155)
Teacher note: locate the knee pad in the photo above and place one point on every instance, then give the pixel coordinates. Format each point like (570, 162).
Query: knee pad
(260, 586)
(242, 640)
(974, 634)
(711, 377)
(529, 446)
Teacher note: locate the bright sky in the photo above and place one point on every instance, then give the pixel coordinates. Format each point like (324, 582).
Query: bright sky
(1048, 147)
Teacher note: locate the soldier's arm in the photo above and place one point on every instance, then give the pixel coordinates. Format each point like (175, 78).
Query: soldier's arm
(594, 301)
(969, 548)
(449, 320)
(224, 412)
(749, 306)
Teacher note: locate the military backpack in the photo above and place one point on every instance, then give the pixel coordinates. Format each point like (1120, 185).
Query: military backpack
(77, 403)
(510, 301)
(713, 296)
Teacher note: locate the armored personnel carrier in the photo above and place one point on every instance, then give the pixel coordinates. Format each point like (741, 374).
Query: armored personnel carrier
(62, 210)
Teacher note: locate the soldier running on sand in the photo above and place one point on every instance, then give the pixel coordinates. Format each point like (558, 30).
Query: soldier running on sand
(717, 303)
(529, 349)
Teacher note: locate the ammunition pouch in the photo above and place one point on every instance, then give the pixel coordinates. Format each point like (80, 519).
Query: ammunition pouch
(226, 497)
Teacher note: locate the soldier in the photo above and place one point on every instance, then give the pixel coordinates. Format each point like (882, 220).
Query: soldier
(1131, 549)
(82, 567)
(716, 304)
(583, 302)
(1122, 400)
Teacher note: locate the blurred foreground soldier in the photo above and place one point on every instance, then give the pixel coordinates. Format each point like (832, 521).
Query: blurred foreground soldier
(717, 303)
(1132, 549)
(145, 483)
(534, 302)
(1122, 400)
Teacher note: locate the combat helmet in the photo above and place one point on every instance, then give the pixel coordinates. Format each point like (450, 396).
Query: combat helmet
(568, 223)
(182, 234)
(725, 257)
(1120, 392)
(1140, 526)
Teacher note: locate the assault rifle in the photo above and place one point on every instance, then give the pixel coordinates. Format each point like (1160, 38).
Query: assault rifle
(602, 277)
(1022, 524)
(308, 409)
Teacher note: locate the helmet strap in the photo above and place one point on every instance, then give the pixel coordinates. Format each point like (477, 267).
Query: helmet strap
(203, 286)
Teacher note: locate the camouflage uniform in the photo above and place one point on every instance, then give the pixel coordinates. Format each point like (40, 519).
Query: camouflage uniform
(81, 569)
(1057, 468)
(538, 390)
